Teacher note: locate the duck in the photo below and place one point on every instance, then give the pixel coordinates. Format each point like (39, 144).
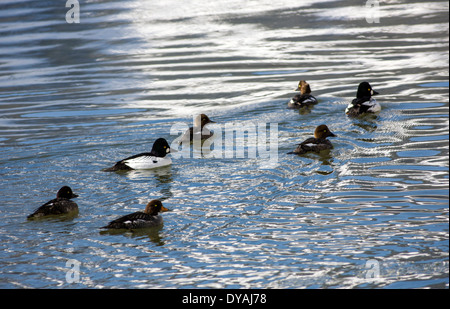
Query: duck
(157, 157)
(305, 98)
(141, 219)
(58, 206)
(317, 143)
(198, 130)
(363, 103)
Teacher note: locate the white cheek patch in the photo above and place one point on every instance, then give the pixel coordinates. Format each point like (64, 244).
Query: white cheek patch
(167, 150)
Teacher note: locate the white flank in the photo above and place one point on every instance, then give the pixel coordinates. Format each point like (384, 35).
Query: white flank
(374, 106)
(347, 109)
(309, 100)
(147, 162)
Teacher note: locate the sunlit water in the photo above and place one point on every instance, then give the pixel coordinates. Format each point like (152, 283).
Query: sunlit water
(75, 98)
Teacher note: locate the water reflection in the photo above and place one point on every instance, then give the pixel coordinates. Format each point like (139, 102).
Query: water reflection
(152, 234)
(163, 179)
(367, 122)
(57, 218)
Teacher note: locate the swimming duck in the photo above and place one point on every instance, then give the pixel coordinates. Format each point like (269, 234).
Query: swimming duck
(146, 160)
(304, 98)
(364, 103)
(198, 130)
(148, 218)
(317, 143)
(60, 205)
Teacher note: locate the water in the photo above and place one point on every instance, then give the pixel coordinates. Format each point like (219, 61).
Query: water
(75, 98)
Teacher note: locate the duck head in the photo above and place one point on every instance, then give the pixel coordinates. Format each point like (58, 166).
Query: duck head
(303, 87)
(365, 90)
(322, 132)
(66, 192)
(154, 207)
(202, 120)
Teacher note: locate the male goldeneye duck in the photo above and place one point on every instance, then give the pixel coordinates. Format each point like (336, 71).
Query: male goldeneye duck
(317, 143)
(198, 130)
(58, 206)
(148, 218)
(364, 103)
(146, 160)
(305, 98)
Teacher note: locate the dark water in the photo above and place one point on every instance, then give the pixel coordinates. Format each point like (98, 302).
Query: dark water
(75, 98)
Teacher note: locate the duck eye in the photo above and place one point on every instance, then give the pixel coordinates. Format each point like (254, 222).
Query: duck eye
(369, 89)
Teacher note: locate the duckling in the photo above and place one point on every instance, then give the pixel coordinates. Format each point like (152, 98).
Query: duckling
(317, 143)
(60, 205)
(148, 218)
(146, 160)
(304, 98)
(363, 103)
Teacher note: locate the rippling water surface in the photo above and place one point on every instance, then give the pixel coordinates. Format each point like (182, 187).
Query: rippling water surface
(75, 98)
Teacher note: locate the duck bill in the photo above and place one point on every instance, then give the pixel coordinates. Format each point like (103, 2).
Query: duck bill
(298, 89)
(74, 195)
(332, 134)
(374, 92)
(163, 209)
(171, 150)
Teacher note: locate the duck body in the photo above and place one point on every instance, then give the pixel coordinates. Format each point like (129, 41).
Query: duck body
(135, 220)
(140, 219)
(317, 143)
(58, 206)
(302, 100)
(195, 133)
(363, 103)
(146, 160)
(198, 131)
(305, 98)
(313, 145)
